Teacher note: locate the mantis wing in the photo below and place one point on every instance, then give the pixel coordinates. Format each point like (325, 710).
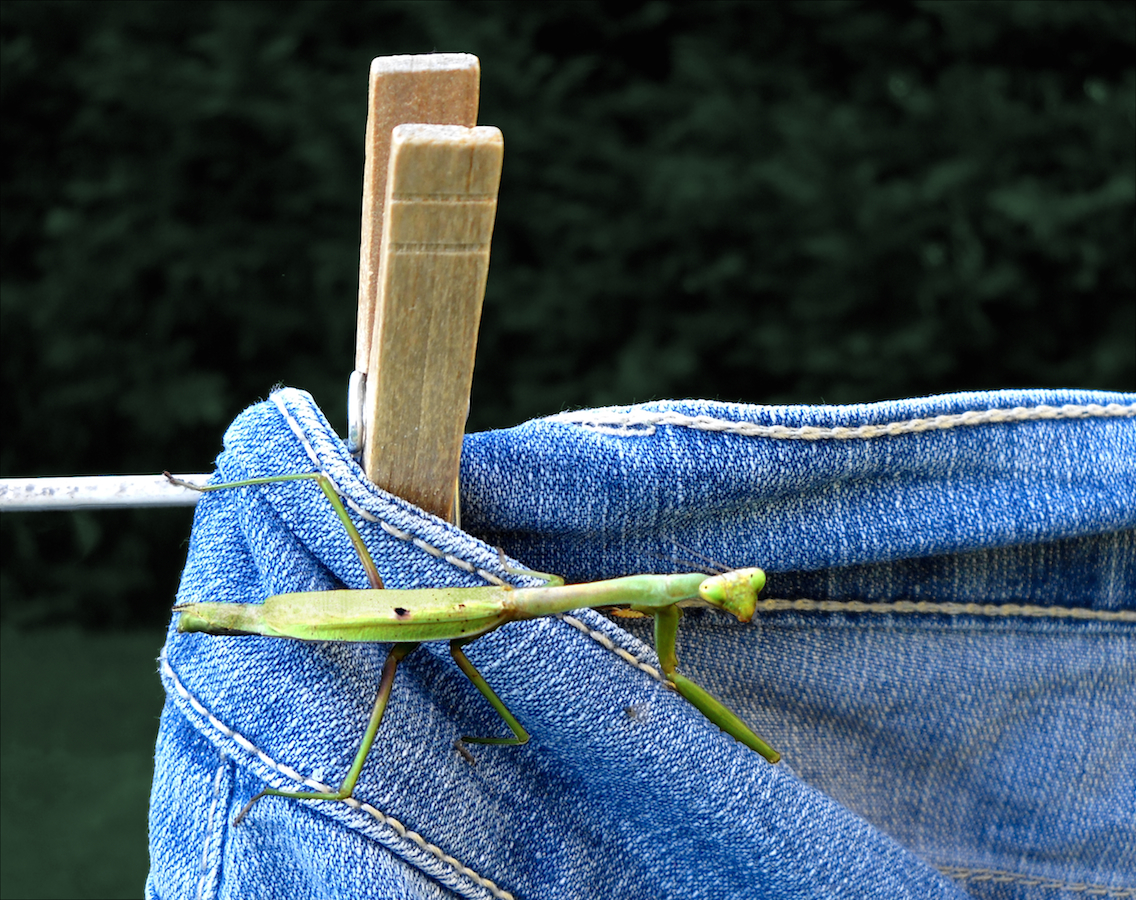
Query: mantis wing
(428, 614)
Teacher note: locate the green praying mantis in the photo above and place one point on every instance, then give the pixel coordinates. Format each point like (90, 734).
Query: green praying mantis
(406, 618)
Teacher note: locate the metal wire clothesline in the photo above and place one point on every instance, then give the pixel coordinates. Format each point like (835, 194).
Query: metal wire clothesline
(96, 492)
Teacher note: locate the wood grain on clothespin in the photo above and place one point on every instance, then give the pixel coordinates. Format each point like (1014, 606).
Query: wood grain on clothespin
(430, 199)
(429, 88)
(441, 204)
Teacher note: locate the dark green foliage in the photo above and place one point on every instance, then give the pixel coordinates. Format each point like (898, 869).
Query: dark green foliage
(79, 712)
(749, 201)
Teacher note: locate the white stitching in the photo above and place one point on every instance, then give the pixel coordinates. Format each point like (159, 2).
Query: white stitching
(998, 876)
(925, 607)
(910, 607)
(607, 643)
(635, 423)
(207, 844)
(291, 774)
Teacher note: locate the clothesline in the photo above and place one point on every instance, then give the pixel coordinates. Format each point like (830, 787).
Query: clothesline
(96, 492)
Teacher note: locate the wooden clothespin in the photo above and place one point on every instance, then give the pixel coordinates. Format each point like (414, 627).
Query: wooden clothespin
(429, 201)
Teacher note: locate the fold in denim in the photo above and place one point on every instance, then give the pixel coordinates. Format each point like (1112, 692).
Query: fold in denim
(944, 656)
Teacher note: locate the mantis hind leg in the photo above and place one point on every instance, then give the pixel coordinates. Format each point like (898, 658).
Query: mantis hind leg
(478, 680)
(396, 655)
(666, 633)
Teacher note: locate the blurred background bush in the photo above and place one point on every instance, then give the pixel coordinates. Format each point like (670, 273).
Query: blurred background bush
(766, 202)
(769, 202)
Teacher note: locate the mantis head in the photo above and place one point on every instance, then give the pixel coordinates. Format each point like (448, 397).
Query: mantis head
(735, 592)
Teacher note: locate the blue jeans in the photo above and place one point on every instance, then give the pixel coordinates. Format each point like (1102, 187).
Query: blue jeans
(944, 655)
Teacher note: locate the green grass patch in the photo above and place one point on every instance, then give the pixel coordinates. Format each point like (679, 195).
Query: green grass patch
(78, 718)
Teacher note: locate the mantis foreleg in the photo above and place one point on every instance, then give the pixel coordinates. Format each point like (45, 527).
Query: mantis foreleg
(666, 633)
(328, 489)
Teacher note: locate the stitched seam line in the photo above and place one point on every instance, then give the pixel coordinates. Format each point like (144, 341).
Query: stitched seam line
(287, 771)
(642, 422)
(211, 837)
(608, 644)
(390, 529)
(997, 876)
(1004, 610)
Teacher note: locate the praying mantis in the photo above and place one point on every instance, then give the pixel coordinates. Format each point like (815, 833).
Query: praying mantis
(406, 618)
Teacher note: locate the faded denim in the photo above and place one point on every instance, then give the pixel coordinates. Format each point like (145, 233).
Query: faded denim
(945, 656)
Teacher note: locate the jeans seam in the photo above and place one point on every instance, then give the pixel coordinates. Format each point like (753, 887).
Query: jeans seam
(999, 876)
(210, 848)
(927, 607)
(608, 644)
(637, 423)
(394, 824)
(909, 607)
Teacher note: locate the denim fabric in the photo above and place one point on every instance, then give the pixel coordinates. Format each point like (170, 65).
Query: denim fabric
(944, 655)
